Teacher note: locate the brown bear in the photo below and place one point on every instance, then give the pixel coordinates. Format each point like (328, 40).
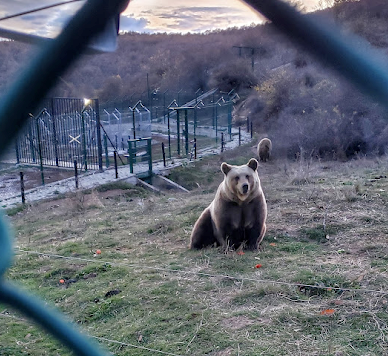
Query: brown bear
(264, 149)
(237, 215)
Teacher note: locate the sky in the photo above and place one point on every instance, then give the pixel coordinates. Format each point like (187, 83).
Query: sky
(149, 16)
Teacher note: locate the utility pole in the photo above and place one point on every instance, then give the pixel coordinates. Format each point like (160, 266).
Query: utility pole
(252, 51)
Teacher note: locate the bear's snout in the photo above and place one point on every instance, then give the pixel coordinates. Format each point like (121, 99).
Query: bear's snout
(245, 188)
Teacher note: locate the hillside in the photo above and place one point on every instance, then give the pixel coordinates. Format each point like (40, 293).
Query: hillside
(286, 93)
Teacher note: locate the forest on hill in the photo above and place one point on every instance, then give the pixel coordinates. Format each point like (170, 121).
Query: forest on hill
(290, 96)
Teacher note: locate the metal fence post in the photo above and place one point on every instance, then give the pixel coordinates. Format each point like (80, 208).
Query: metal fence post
(169, 134)
(17, 151)
(186, 133)
(40, 152)
(84, 140)
(130, 156)
(230, 120)
(115, 159)
(133, 123)
(164, 155)
(149, 149)
(214, 112)
(107, 163)
(22, 187)
(98, 128)
(177, 132)
(76, 173)
(55, 139)
(30, 126)
(195, 120)
(216, 123)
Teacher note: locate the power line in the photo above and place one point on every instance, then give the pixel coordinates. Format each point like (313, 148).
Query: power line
(268, 281)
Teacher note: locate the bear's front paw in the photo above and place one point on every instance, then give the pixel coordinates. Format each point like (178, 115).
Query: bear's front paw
(252, 247)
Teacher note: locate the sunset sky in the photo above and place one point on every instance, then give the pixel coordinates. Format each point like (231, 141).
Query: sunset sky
(142, 15)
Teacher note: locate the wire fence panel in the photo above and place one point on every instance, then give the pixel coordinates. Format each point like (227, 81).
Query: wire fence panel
(64, 131)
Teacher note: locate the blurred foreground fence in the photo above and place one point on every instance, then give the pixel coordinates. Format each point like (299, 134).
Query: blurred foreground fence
(22, 98)
(361, 68)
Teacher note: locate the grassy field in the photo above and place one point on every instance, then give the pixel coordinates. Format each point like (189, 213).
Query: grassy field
(318, 286)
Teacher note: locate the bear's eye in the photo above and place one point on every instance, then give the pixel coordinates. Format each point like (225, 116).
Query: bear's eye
(237, 178)
(247, 177)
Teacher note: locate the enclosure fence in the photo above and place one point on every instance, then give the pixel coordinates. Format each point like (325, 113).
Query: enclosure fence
(64, 131)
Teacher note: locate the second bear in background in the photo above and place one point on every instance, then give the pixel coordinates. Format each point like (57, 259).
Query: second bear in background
(264, 149)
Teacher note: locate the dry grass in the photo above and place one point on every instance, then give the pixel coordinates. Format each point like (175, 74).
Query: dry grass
(329, 231)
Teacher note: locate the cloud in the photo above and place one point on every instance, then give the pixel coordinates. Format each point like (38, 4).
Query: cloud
(45, 23)
(148, 16)
(129, 23)
(198, 19)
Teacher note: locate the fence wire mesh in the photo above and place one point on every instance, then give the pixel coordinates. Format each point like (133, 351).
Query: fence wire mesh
(361, 68)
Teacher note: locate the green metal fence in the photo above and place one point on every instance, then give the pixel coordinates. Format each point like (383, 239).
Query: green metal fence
(140, 150)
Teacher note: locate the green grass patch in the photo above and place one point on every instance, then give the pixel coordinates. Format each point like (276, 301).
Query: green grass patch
(16, 210)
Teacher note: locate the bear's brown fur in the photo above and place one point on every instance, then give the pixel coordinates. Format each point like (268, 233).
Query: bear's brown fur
(238, 213)
(264, 149)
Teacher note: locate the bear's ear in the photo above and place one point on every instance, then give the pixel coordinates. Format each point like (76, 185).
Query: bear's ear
(225, 168)
(253, 164)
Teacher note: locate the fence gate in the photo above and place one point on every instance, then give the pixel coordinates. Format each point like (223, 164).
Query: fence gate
(140, 150)
(64, 130)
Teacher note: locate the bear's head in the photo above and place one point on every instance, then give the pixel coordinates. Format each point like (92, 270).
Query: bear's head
(241, 181)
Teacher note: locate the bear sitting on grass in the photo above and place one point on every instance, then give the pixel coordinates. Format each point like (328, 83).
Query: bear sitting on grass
(237, 214)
